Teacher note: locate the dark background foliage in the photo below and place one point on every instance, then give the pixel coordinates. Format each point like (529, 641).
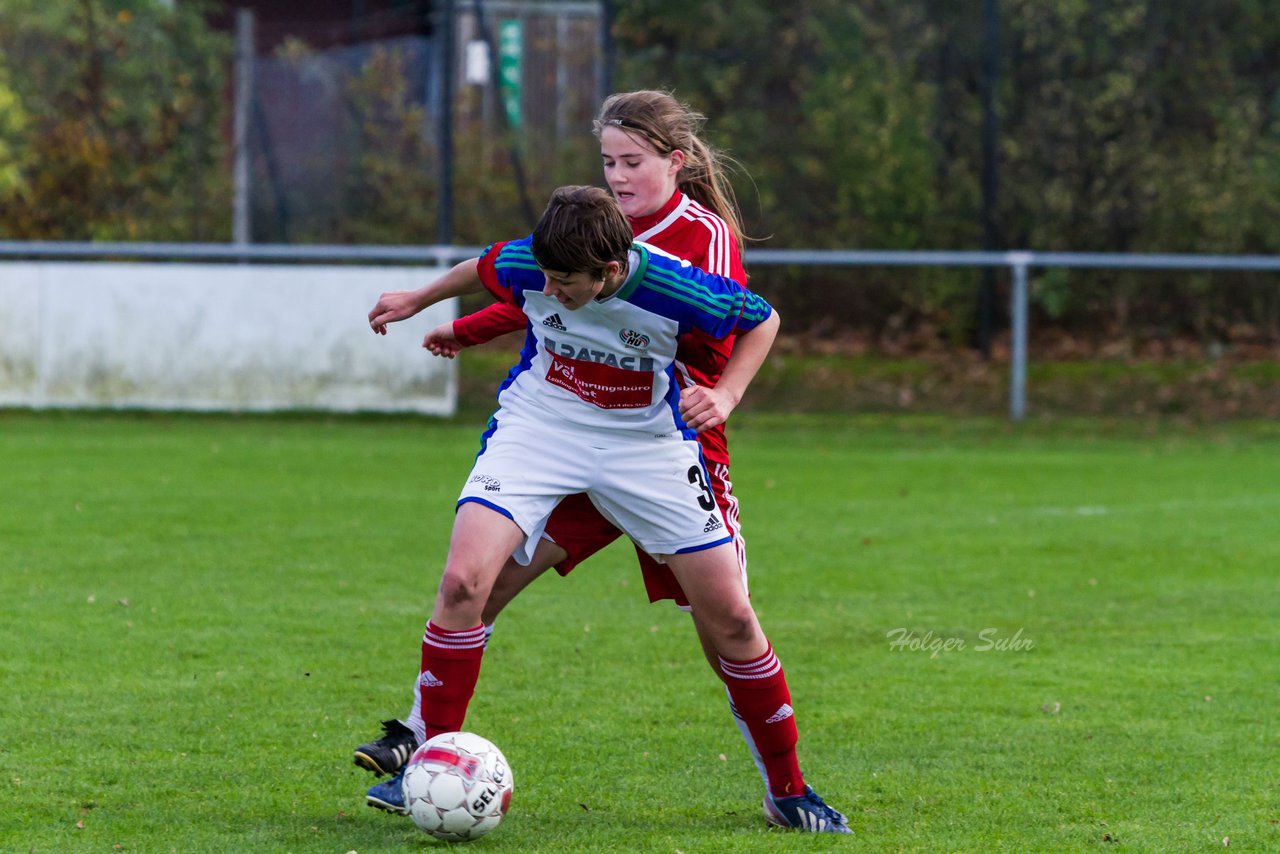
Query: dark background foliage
(1125, 126)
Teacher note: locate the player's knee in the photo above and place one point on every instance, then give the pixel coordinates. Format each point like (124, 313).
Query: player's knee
(738, 624)
(460, 588)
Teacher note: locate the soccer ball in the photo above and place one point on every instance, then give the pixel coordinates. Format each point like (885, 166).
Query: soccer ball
(457, 786)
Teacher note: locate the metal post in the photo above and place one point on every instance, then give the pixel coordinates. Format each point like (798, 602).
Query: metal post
(608, 50)
(562, 81)
(1018, 355)
(241, 211)
(990, 170)
(444, 175)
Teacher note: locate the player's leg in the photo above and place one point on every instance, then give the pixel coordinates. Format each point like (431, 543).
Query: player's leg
(660, 496)
(387, 753)
(713, 659)
(466, 593)
(727, 503)
(453, 641)
(756, 684)
(501, 512)
(710, 581)
(660, 584)
(574, 532)
(515, 579)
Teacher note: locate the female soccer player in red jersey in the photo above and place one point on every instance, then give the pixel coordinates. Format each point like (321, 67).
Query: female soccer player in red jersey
(672, 188)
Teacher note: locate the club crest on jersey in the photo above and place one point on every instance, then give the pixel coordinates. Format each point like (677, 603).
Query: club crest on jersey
(634, 340)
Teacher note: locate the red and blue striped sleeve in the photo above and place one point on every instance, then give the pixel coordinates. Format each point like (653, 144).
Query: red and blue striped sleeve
(507, 270)
(717, 305)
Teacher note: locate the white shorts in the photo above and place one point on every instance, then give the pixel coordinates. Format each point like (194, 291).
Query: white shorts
(654, 489)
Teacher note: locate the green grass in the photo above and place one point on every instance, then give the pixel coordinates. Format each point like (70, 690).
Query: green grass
(203, 615)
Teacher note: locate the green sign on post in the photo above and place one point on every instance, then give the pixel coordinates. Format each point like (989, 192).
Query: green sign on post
(510, 50)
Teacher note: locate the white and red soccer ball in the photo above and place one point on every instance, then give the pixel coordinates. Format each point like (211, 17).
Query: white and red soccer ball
(457, 786)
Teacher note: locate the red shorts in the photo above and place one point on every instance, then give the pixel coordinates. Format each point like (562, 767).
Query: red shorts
(578, 528)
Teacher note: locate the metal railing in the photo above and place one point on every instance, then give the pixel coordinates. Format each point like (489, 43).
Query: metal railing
(1019, 263)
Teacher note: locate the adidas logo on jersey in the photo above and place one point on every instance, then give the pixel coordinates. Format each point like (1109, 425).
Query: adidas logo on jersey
(429, 680)
(784, 711)
(555, 322)
(713, 523)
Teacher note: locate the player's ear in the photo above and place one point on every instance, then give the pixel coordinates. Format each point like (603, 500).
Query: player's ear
(676, 158)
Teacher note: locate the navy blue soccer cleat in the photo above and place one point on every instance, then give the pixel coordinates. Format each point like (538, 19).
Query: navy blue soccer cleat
(388, 795)
(804, 812)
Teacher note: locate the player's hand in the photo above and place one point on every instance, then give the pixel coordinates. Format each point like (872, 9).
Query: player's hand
(442, 342)
(392, 306)
(703, 408)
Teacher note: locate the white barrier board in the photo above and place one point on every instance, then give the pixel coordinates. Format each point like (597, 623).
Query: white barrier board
(216, 337)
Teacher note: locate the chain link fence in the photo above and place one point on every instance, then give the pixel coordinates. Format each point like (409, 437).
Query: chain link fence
(344, 122)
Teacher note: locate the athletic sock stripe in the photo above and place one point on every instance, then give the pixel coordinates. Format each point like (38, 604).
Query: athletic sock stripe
(446, 639)
(751, 672)
(447, 635)
(749, 666)
(755, 674)
(762, 668)
(430, 641)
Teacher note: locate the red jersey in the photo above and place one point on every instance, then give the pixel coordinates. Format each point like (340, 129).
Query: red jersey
(683, 228)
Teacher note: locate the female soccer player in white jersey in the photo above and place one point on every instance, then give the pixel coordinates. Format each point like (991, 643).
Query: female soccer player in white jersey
(672, 187)
(595, 391)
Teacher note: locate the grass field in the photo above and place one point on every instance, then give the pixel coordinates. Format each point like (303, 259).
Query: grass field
(1058, 638)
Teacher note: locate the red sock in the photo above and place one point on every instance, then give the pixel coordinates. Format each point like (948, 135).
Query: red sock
(450, 670)
(759, 692)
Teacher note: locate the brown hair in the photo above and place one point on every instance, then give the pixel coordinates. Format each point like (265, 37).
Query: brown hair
(666, 125)
(581, 231)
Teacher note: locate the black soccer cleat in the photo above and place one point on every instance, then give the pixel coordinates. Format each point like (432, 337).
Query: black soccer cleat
(388, 754)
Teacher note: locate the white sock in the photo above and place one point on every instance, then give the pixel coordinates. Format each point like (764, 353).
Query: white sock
(751, 742)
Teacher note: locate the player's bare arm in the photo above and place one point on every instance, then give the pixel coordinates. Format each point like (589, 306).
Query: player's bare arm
(400, 305)
(703, 408)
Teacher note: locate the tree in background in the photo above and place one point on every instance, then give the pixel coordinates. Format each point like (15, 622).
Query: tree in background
(113, 124)
(1126, 126)
(13, 123)
(1144, 127)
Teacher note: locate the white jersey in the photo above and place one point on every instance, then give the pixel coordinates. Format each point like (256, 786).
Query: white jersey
(607, 366)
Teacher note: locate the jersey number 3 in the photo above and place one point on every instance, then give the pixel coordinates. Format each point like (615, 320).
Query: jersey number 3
(707, 500)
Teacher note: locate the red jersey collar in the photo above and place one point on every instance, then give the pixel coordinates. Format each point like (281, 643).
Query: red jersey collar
(641, 224)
